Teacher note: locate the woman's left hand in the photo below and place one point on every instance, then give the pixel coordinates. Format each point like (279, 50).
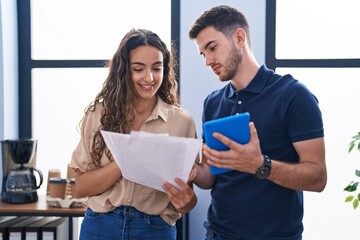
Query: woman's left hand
(183, 199)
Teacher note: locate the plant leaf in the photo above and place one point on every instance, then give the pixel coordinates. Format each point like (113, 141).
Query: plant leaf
(351, 145)
(357, 172)
(352, 187)
(355, 203)
(348, 188)
(356, 137)
(358, 196)
(349, 198)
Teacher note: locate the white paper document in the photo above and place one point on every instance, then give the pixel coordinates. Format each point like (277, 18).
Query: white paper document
(152, 159)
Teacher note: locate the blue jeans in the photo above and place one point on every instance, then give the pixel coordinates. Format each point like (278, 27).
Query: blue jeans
(125, 223)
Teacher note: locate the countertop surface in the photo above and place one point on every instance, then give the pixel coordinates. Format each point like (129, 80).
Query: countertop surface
(40, 208)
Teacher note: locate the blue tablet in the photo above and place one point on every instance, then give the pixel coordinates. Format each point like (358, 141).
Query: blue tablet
(234, 127)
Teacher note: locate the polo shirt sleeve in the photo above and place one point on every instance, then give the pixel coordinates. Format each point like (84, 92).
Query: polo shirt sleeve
(303, 117)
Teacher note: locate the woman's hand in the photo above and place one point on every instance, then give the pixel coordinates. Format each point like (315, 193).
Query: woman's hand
(183, 199)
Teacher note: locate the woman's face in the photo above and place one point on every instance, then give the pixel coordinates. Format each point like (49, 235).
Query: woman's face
(146, 65)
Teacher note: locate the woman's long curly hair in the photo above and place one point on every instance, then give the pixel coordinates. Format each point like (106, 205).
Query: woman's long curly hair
(118, 91)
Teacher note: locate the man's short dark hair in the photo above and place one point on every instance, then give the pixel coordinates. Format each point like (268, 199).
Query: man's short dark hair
(223, 18)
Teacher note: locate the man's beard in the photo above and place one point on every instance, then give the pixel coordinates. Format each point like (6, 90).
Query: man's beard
(231, 65)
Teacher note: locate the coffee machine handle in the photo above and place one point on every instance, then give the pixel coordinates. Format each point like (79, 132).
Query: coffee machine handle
(41, 177)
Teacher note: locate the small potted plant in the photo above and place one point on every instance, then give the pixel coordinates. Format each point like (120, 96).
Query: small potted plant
(353, 185)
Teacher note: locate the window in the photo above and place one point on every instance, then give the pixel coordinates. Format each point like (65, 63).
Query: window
(308, 30)
(83, 29)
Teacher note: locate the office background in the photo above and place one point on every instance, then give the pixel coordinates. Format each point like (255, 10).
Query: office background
(316, 44)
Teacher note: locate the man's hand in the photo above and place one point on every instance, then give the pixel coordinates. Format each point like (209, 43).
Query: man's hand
(240, 157)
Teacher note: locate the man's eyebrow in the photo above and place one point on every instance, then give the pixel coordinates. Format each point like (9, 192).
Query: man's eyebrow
(206, 46)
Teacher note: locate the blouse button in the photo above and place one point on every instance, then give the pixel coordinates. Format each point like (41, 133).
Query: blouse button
(239, 102)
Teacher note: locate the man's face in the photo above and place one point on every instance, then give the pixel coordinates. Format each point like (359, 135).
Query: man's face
(220, 53)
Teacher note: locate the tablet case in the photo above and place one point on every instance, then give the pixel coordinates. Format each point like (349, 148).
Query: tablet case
(235, 127)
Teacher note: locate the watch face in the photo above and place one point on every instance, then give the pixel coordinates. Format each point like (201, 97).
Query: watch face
(262, 173)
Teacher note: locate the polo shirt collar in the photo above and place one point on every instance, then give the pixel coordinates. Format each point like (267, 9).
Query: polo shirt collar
(256, 85)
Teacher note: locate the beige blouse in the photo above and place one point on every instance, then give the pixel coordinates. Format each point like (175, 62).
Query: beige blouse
(164, 119)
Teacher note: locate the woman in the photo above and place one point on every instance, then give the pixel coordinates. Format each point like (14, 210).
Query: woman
(139, 94)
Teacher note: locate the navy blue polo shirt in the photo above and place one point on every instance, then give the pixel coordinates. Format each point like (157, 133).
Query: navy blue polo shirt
(284, 111)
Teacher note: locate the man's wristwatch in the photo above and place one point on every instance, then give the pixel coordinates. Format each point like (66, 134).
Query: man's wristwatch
(264, 171)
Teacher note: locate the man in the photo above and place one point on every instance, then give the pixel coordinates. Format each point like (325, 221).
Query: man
(262, 197)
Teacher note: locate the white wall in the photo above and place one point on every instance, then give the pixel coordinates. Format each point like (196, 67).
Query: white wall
(8, 72)
(197, 81)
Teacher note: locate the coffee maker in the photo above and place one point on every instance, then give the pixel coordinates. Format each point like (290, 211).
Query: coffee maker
(19, 183)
